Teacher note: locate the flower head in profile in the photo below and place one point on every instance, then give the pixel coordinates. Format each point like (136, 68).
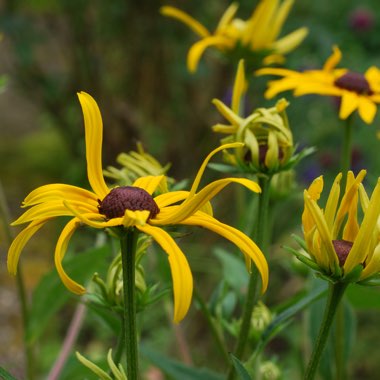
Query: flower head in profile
(131, 207)
(268, 141)
(256, 37)
(342, 239)
(356, 91)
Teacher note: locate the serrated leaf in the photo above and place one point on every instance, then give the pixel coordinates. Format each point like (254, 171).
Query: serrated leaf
(50, 294)
(177, 370)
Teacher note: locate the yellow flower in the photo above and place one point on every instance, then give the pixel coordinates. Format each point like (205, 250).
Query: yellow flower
(268, 141)
(131, 206)
(257, 35)
(342, 248)
(357, 91)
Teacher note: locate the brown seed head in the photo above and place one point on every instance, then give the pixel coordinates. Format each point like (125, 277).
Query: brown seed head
(342, 249)
(354, 82)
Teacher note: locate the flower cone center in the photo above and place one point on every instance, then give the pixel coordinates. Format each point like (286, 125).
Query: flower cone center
(342, 249)
(127, 198)
(354, 82)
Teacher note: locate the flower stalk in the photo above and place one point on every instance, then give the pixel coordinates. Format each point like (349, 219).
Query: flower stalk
(128, 257)
(347, 150)
(253, 291)
(335, 294)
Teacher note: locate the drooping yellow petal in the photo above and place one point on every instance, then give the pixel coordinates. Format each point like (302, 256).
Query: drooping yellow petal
(196, 202)
(197, 50)
(52, 209)
(350, 102)
(19, 242)
(333, 60)
(358, 251)
(59, 191)
(93, 125)
(149, 183)
(243, 242)
(60, 252)
(180, 270)
(191, 22)
(240, 87)
(134, 218)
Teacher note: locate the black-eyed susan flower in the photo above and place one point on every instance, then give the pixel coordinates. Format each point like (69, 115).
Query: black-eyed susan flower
(131, 207)
(257, 36)
(338, 245)
(268, 141)
(357, 91)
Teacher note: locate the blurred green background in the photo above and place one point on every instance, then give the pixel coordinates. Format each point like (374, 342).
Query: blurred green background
(133, 62)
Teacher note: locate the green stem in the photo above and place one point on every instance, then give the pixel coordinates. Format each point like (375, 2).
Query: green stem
(347, 151)
(253, 292)
(4, 216)
(334, 296)
(128, 257)
(214, 329)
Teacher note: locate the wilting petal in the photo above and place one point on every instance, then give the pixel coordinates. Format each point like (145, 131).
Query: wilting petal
(223, 128)
(19, 242)
(243, 242)
(288, 43)
(60, 251)
(149, 183)
(181, 273)
(193, 24)
(93, 126)
(196, 51)
(59, 191)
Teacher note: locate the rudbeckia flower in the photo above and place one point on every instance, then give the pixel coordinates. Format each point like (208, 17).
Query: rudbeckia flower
(257, 35)
(357, 91)
(131, 207)
(268, 141)
(338, 245)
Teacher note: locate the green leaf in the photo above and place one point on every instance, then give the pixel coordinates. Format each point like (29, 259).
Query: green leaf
(4, 375)
(362, 297)
(176, 370)
(240, 369)
(50, 294)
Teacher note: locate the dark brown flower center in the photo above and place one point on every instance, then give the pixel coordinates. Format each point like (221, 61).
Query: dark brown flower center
(354, 82)
(127, 198)
(342, 249)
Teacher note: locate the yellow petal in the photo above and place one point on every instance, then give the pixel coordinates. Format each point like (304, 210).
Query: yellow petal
(367, 109)
(273, 59)
(196, 202)
(228, 113)
(94, 136)
(351, 227)
(58, 191)
(196, 51)
(315, 189)
(149, 183)
(226, 129)
(60, 251)
(271, 156)
(350, 102)
(19, 242)
(181, 273)
(333, 60)
(358, 251)
(134, 218)
(243, 242)
(279, 19)
(52, 209)
(179, 15)
(288, 43)
(373, 77)
(228, 15)
(332, 201)
(170, 198)
(373, 266)
(240, 87)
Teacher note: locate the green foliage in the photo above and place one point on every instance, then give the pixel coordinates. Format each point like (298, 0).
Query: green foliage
(5, 375)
